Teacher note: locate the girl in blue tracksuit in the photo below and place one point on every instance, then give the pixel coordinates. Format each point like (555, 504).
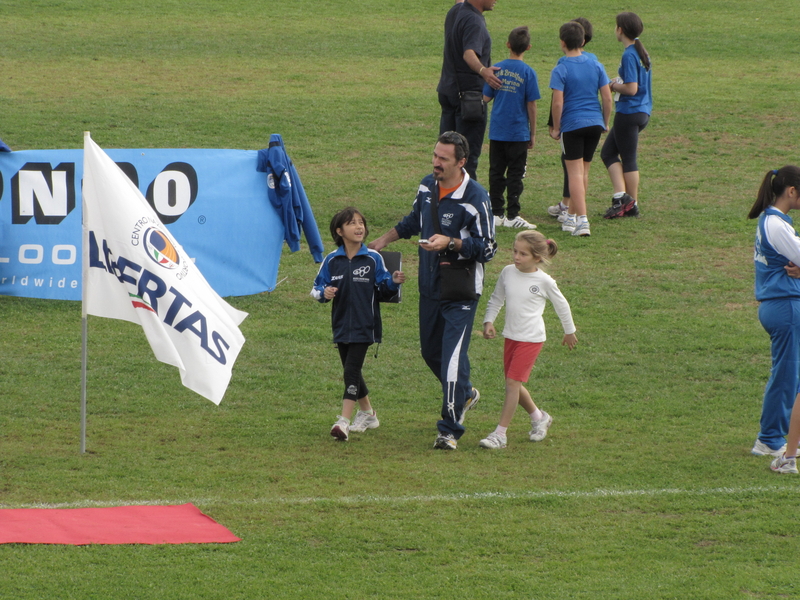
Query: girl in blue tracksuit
(777, 250)
(356, 279)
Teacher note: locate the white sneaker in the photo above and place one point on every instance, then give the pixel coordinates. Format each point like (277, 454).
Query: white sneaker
(761, 449)
(445, 441)
(470, 403)
(364, 421)
(563, 216)
(784, 465)
(555, 210)
(341, 429)
(493, 441)
(581, 229)
(539, 428)
(568, 224)
(498, 221)
(519, 223)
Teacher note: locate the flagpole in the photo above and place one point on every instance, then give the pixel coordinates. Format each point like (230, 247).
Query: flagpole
(84, 316)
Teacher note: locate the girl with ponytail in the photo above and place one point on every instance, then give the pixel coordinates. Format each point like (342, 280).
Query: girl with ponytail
(634, 103)
(777, 250)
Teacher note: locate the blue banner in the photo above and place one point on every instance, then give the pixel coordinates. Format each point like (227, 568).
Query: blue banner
(214, 202)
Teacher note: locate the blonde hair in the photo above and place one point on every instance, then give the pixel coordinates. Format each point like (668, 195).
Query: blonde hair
(541, 248)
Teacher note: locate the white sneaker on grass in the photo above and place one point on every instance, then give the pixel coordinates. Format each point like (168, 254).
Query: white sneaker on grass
(518, 223)
(569, 223)
(493, 441)
(498, 221)
(761, 449)
(341, 429)
(581, 229)
(364, 421)
(563, 216)
(445, 441)
(539, 428)
(470, 403)
(784, 465)
(556, 209)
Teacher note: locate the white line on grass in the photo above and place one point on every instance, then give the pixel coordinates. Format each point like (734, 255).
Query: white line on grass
(461, 497)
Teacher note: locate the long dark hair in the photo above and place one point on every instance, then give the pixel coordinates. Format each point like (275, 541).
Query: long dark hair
(773, 186)
(342, 218)
(632, 27)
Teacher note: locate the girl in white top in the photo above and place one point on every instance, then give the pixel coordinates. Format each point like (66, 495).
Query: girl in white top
(524, 288)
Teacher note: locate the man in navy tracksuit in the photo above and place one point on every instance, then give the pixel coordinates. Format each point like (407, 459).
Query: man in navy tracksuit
(467, 233)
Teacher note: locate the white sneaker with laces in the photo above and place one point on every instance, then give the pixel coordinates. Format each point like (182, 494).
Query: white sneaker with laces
(519, 223)
(761, 449)
(563, 216)
(493, 441)
(498, 221)
(539, 428)
(568, 224)
(364, 421)
(341, 429)
(784, 465)
(445, 441)
(555, 210)
(470, 403)
(581, 229)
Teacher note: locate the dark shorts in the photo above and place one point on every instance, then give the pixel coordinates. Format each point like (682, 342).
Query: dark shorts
(581, 143)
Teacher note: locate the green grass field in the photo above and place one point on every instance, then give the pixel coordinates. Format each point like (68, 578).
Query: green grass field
(644, 488)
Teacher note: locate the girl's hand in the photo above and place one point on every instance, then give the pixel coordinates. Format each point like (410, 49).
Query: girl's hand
(555, 133)
(399, 277)
(329, 292)
(570, 339)
(792, 270)
(489, 332)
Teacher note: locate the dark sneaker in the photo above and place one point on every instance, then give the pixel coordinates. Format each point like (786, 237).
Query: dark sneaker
(619, 206)
(633, 211)
(445, 441)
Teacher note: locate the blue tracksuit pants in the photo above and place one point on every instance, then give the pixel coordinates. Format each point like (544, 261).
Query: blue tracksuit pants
(445, 329)
(781, 319)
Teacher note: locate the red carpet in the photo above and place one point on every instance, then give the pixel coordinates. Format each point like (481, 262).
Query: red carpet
(183, 524)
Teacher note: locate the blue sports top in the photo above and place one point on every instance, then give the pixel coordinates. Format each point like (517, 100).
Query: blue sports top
(775, 230)
(580, 78)
(510, 111)
(632, 70)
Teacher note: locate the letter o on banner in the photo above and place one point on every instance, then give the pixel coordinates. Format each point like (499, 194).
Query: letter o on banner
(173, 191)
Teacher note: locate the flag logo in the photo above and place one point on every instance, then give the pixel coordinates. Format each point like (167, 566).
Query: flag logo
(160, 249)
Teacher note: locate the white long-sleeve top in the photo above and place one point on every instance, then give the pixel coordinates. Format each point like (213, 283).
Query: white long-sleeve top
(525, 295)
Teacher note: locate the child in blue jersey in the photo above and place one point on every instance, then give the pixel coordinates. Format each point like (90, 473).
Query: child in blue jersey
(579, 119)
(356, 279)
(634, 95)
(512, 131)
(777, 250)
(561, 209)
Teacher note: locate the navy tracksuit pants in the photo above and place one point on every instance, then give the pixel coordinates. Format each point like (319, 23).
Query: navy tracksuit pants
(445, 329)
(781, 319)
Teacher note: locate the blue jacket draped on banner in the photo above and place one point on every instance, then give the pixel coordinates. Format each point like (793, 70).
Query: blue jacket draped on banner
(287, 195)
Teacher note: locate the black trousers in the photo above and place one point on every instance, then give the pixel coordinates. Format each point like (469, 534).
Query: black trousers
(472, 130)
(353, 356)
(507, 162)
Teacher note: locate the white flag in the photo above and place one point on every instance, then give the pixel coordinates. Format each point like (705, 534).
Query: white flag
(135, 270)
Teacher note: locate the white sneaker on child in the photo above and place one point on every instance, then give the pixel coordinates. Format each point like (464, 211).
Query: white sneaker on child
(364, 421)
(761, 449)
(539, 428)
(493, 441)
(518, 223)
(341, 429)
(784, 465)
(569, 223)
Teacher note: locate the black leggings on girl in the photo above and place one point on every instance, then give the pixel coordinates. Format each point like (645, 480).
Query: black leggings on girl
(353, 356)
(622, 142)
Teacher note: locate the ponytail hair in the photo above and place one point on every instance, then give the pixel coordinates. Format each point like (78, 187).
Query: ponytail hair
(541, 247)
(632, 27)
(774, 184)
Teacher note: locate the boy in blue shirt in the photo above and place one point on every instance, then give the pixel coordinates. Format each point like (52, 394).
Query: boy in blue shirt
(512, 131)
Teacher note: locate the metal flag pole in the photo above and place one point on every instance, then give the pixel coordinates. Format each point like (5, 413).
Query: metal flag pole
(84, 316)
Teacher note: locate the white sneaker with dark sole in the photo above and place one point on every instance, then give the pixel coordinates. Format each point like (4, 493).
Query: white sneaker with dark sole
(471, 402)
(445, 441)
(341, 429)
(518, 223)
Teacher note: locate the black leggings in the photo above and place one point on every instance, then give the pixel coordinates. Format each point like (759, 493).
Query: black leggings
(353, 356)
(622, 142)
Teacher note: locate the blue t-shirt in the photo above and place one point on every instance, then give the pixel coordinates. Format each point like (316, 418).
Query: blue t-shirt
(632, 70)
(579, 78)
(510, 111)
